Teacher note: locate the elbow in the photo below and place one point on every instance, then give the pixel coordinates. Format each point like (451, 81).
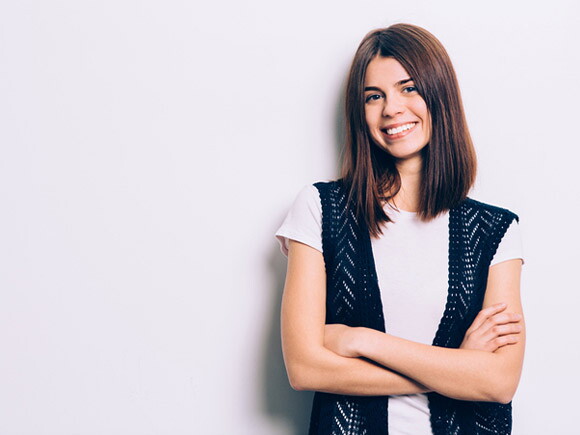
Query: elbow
(499, 397)
(297, 384)
(504, 395)
(295, 380)
(503, 391)
(489, 395)
(312, 370)
(499, 383)
(299, 378)
(505, 400)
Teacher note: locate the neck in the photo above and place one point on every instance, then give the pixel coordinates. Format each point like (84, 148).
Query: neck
(410, 171)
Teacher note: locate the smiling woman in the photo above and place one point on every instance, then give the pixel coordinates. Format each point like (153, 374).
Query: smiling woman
(388, 97)
(401, 306)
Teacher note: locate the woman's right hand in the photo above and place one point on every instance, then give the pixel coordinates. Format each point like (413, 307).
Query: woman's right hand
(492, 329)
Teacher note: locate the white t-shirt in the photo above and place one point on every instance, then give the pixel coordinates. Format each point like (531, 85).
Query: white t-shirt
(411, 259)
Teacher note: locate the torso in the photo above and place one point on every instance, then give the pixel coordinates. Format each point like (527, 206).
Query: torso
(411, 260)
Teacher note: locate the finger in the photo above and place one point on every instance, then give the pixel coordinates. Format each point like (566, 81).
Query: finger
(511, 328)
(504, 340)
(501, 330)
(503, 318)
(497, 320)
(485, 314)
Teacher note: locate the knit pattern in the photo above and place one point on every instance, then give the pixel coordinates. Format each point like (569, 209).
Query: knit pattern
(353, 298)
(475, 232)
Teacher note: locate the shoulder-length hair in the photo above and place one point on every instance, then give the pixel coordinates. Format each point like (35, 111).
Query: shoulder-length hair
(449, 160)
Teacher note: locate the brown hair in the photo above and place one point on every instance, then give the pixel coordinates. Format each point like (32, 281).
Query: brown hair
(449, 160)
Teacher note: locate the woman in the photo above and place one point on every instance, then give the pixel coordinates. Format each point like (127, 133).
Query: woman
(396, 245)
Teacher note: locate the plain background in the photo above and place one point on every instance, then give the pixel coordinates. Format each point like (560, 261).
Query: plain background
(150, 150)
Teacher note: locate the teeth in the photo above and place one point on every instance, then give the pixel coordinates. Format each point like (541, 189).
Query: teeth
(400, 129)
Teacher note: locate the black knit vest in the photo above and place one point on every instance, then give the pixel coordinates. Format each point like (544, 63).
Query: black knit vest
(353, 298)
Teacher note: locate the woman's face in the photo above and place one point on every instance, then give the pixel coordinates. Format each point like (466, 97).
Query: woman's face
(396, 115)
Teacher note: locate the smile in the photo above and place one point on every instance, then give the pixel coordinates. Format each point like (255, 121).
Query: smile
(399, 131)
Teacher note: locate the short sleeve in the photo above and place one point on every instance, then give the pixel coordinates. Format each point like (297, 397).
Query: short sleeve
(510, 246)
(303, 222)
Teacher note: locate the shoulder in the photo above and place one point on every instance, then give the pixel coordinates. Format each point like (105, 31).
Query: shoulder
(475, 207)
(313, 193)
(307, 192)
(331, 192)
(481, 221)
(303, 221)
(306, 201)
(329, 186)
(483, 228)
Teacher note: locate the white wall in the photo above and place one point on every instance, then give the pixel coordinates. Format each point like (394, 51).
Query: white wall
(149, 151)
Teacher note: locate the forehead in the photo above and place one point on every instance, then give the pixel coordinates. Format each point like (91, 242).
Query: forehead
(385, 71)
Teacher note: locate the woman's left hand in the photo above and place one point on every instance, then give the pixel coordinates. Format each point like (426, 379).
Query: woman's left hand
(342, 339)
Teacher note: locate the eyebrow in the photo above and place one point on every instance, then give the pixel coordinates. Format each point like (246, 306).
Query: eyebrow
(399, 83)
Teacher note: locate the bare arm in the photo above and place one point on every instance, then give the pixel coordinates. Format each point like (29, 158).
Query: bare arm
(309, 364)
(464, 374)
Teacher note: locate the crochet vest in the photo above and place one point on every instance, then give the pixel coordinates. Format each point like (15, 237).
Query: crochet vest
(353, 298)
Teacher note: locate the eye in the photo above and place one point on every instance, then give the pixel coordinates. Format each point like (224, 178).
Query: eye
(372, 97)
(410, 89)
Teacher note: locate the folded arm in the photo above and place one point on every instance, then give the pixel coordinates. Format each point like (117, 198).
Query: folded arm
(310, 365)
(464, 374)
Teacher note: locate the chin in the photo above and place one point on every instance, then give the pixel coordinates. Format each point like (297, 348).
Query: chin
(402, 154)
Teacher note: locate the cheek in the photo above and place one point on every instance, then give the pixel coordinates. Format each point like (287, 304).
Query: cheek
(372, 119)
(420, 108)
(427, 123)
(368, 120)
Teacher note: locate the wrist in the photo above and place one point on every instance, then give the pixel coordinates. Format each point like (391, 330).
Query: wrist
(364, 342)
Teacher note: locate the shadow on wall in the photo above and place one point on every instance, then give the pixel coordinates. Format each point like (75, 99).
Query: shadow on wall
(280, 401)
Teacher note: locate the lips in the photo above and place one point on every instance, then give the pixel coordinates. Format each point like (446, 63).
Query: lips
(396, 131)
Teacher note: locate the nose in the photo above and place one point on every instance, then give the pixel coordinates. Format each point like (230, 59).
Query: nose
(393, 105)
